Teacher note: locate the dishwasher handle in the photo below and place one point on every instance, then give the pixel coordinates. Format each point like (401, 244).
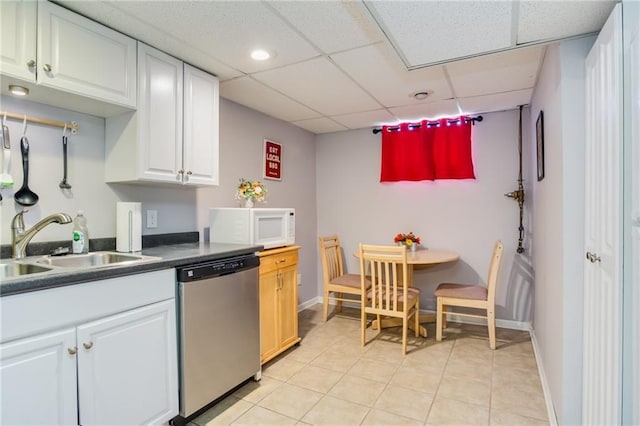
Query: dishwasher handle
(216, 268)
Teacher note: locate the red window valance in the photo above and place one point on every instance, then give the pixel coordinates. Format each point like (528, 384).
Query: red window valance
(427, 151)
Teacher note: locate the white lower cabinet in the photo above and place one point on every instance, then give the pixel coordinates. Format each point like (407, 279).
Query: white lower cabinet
(100, 367)
(38, 380)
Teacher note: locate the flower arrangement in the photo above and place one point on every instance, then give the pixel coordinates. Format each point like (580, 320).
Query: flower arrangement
(251, 190)
(407, 239)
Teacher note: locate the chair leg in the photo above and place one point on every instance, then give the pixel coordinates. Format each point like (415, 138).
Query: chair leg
(439, 320)
(363, 323)
(417, 319)
(339, 302)
(491, 325)
(405, 326)
(325, 306)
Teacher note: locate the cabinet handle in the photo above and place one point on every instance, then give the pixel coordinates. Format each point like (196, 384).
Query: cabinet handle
(280, 261)
(88, 345)
(47, 68)
(73, 350)
(31, 63)
(593, 257)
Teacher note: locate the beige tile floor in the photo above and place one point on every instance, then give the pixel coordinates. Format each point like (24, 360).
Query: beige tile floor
(330, 379)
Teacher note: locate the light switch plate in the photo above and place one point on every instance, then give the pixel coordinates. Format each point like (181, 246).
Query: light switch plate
(152, 218)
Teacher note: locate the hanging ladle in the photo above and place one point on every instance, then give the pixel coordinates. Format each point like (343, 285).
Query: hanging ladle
(64, 184)
(25, 196)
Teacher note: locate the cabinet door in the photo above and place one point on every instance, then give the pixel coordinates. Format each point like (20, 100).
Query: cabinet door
(127, 367)
(159, 115)
(80, 56)
(18, 39)
(200, 150)
(269, 328)
(288, 305)
(38, 380)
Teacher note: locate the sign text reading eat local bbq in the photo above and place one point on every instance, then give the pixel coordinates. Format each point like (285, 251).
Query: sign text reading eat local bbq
(272, 160)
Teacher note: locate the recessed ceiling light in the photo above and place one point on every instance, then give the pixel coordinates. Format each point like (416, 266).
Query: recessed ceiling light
(260, 55)
(422, 95)
(18, 90)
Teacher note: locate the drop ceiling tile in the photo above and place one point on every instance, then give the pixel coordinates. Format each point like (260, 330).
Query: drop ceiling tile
(360, 120)
(500, 72)
(320, 85)
(227, 29)
(333, 26)
(426, 32)
(496, 102)
(379, 70)
(446, 108)
(544, 20)
(248, 92)
(320, 125)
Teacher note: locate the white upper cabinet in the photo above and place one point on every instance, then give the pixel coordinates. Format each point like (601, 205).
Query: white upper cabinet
(80, 56)
(201, 106)
(159, 115)
(66, 60)
(18, 42)
(173, 136)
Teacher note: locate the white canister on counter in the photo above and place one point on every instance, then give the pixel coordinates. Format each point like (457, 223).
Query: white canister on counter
(128, 227)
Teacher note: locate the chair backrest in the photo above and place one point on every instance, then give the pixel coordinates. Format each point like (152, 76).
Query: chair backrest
(331, 256)
(387, 267)
(494, 268)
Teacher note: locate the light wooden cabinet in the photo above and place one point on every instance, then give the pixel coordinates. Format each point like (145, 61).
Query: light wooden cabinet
(278, 301)
(84, 354)
(66, 52)
(173, 137)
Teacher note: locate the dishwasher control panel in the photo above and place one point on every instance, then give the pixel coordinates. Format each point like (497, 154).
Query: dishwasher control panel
(217, 267)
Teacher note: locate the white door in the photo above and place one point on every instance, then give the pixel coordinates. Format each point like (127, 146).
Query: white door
(602, 347)
(200, 152)
(38, 380)
(128, 368)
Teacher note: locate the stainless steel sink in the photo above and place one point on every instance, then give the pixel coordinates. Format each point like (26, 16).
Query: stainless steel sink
(94, 259)
(13, 270)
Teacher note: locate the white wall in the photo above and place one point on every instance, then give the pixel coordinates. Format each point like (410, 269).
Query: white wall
(558, 213)
(86, 176)
(242, 131)
(466, 216)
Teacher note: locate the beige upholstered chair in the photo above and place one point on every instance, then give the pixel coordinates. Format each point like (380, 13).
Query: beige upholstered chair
(334, 278)
(390, 294)
(471, 296)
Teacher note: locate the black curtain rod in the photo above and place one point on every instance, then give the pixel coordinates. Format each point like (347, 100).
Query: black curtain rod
(435, 123)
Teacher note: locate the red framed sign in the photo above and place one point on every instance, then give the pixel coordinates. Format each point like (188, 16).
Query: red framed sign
(272, 160)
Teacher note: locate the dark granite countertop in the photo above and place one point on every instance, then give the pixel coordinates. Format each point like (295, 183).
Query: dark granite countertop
(169, 256)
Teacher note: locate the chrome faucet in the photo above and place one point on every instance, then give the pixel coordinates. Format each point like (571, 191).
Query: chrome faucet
(20, 237)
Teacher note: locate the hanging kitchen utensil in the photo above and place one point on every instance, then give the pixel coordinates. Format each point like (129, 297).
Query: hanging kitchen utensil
(64, 184)
(25, 196)
(5, 176)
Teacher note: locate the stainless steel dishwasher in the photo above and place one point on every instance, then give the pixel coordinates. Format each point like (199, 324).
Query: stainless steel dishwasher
(219, 329)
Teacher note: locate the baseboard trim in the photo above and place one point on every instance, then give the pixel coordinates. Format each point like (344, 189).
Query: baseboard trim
(551, 412)
(502, 323)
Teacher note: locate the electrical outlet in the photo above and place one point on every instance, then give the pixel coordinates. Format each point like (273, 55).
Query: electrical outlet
(152, 218)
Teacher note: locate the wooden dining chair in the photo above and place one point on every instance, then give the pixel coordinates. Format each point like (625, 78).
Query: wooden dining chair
(390, 294)
(335, 282)
(471, 296)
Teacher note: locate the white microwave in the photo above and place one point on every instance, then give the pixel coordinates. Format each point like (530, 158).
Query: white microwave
(269, 227)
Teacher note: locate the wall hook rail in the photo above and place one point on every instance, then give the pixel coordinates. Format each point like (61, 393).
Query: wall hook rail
(518, 194)
(72, 125)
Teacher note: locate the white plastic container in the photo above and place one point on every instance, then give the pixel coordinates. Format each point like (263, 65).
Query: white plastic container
(128, 227)
(80, 240)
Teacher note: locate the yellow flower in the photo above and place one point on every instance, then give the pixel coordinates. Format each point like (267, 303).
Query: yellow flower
(408, 242)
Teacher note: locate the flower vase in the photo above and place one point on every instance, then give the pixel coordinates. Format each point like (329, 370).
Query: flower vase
(248, 202)
(413, 247)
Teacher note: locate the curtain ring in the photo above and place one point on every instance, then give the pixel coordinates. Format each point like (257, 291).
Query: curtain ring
(24, 125)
